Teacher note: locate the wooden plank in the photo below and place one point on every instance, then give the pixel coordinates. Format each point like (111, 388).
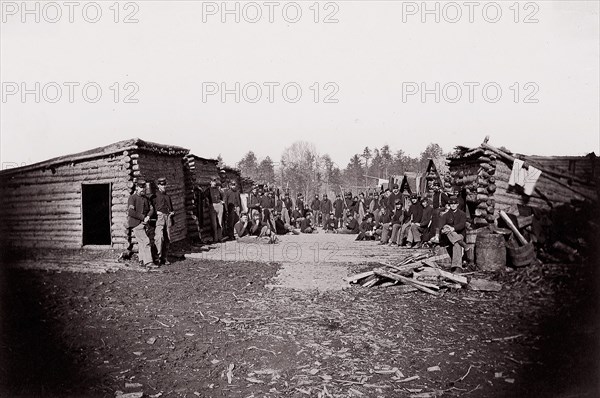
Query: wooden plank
(453, 277)
(357, 277)
(404, 280)
(404, 269)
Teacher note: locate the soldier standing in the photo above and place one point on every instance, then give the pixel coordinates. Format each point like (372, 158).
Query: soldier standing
(139, 211)
(233, 204)
(164, 213)
(215, 209)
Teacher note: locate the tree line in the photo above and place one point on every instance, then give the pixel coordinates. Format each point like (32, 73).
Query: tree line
(303, 169)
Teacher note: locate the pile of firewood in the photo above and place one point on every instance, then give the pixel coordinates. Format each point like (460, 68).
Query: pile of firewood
(421, 272)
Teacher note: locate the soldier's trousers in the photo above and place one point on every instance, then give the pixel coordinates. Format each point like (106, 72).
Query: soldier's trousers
(145, 251)
(161, 236)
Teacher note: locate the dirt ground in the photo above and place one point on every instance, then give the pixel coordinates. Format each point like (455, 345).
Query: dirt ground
(212, 328)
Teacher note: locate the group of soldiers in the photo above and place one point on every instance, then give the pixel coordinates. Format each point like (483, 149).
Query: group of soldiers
(264, 213)
(150, 214)
(383, 216)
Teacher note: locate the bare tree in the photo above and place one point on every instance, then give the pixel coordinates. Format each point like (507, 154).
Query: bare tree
(301, 167)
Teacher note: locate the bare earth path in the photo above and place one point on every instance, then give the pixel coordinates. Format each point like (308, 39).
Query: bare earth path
(309, 261)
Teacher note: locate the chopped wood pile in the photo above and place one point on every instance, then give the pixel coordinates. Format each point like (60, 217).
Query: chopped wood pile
(420, 273)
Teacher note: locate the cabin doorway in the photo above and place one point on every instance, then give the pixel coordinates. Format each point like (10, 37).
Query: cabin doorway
(95, 210)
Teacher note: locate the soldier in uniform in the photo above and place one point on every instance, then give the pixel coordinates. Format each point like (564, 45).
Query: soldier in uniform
(315, 207)
(139, 211)
(233, 204)
(325, 208)
(215, 209)
(164, 216)
(300, 204)
(453, 230)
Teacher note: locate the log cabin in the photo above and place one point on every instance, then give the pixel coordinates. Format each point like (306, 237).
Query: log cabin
(80, 200)
(481, 176)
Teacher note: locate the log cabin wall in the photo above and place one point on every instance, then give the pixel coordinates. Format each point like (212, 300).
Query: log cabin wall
(485, 178)
(583, 167)
(201, 170)
(42, 207)
(150, 166)
(474, 175)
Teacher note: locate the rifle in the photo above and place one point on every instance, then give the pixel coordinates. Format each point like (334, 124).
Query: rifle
(343, 197)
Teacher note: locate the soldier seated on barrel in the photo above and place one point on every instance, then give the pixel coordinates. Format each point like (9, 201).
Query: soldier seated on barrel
(453, 231)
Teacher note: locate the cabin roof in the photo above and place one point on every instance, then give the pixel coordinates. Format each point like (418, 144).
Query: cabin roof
(130, 144)
(196, 157)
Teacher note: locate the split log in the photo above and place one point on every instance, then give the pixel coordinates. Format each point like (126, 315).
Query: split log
(357, 277)
(453, 277)
(512, 227)
(370, 281)
(408, 281)
(524, 221)
(480, 221)
(480, 212)
(404, 269)
(491, 188)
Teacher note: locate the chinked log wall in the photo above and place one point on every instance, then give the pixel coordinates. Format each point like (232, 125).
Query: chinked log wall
(151, 166)
(201, 171)
(42, 207)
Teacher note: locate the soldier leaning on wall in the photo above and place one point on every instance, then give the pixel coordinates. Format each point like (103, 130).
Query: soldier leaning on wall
(164, 217)
(139, 211)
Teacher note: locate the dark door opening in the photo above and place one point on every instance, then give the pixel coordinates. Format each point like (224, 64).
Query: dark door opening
(96, 214)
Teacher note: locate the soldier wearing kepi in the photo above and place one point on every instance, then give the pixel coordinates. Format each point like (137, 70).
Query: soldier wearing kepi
(215, 209)
(453, 231)
(139, 211)
(164, 213)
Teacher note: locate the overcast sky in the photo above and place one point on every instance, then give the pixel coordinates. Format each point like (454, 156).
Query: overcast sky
(368, 67)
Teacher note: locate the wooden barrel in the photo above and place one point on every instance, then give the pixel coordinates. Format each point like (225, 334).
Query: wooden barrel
(490, 252)
(521, 256)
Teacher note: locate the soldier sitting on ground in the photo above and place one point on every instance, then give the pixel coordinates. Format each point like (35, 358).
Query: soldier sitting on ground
(306, 225)
(366, 228)
(351, 227)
